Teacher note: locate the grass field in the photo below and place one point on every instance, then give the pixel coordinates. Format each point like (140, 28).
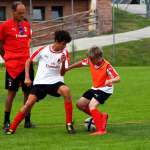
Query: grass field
(125, 21)
(133, 53)
(128, 108)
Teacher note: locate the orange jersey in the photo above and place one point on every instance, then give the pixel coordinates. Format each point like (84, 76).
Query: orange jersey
(100, 73)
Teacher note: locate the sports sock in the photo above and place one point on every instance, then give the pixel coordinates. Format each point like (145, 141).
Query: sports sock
(97, 117)
(6, 117)
(27, 117)
(87, 111)
(18, 118)
(68, 109)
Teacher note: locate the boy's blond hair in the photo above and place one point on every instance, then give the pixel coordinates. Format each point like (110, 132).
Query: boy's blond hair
(95, 52)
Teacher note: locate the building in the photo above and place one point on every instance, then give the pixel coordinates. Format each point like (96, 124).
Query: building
(48, 14)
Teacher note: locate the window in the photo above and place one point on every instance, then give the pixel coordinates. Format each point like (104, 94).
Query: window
(135, 2)
(57, 12)
(39, 13)
(2, 14)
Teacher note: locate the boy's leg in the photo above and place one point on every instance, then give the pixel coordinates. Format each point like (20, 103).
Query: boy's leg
(26, 90)
(21, 114)
(83, 105)
(97, 117)
(27, 123)
(65, 92)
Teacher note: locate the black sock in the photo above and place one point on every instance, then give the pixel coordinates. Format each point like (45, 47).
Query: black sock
(7, 116)
(27, 117)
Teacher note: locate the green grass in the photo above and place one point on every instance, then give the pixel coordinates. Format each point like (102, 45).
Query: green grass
(134, 53)
(128, 109)
(125, 21)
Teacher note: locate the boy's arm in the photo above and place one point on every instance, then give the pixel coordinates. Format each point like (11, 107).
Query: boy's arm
(115, 78)
(62, 70)
(78, 64)
(28, 81)
(75, 65)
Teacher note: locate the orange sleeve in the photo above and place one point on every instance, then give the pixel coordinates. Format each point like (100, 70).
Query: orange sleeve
(85, 62)
(111, 71)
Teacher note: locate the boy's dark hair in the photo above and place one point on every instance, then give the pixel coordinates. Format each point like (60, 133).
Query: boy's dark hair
(15, 4)
(62, 36)
(95, 52)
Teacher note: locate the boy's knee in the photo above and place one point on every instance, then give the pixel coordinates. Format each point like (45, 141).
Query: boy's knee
(80, 106)
(65, 91)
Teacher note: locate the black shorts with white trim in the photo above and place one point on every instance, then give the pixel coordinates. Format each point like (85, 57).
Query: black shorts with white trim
(41, 90)
(99, 95)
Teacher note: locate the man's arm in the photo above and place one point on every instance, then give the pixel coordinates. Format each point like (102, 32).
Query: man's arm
(1, 49)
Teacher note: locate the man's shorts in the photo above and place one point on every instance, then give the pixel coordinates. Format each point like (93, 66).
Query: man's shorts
(14, 84)
(99, 95)
(41, 90)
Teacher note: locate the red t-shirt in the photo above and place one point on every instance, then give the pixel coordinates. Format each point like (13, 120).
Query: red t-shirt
(16, 43)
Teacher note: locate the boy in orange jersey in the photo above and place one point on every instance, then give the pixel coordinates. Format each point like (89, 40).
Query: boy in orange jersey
(103, 78)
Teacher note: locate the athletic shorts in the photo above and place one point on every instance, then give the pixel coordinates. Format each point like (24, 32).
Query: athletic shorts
(41, 90)
(99, 95)
(14, 84)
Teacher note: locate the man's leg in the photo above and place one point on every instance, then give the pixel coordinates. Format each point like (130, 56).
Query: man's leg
(65, 92)
(21, 114)
(8, 105)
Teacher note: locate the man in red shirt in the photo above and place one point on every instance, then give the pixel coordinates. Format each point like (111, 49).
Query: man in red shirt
(15, 36)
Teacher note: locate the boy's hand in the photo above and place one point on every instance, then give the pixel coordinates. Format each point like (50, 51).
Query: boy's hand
(63, 57)
(108, 82)
(28, 82)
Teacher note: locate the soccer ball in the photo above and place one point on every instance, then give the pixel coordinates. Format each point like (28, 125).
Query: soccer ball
(89, 124)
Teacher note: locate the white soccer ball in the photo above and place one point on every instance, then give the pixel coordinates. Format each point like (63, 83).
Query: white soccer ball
(89, 124)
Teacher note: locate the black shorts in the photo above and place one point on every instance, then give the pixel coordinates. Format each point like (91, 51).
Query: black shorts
(99, 95)
(41, 90)
(14, 84)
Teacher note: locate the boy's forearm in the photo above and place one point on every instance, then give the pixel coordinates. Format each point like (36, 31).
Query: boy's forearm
(75, 65)
(116, 79)
(62, 71)
(27, 68)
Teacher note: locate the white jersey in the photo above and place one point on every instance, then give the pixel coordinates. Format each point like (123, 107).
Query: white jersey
(49, 66)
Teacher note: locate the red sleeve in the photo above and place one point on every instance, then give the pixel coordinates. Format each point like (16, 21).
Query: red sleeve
(85, 62)
(111, 71)
(36, 53)
(68, 56)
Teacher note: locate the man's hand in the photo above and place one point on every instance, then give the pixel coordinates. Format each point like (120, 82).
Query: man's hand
(28, 82)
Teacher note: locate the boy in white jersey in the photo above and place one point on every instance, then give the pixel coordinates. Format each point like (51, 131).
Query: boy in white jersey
(53, 59)
(103, 77)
